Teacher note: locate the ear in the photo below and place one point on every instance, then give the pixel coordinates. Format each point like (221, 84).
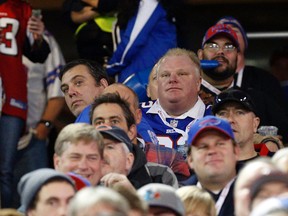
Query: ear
(30, 212)
(256, 122)
(56, 161)
(190, 161)
(199, 82)
(104, 83)
(138, 116)
(132, 132)
(200, 54)
(148, 91)
(129, 162)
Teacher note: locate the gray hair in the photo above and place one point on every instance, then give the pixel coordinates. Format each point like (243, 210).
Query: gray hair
(180, 52)
(91, 196)
(75, 132)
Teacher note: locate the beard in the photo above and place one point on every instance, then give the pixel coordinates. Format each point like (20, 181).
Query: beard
(219, 76)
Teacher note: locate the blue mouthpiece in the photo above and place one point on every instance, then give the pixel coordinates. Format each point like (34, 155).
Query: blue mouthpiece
(209, 64)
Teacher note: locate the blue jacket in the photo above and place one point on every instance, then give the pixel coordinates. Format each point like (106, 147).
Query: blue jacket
(147, 37)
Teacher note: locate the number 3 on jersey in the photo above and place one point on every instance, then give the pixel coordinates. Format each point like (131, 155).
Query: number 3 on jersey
(9, 28)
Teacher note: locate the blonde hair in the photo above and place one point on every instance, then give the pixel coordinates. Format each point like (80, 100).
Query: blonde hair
(181, 52)
(195, 198)
(75, 132)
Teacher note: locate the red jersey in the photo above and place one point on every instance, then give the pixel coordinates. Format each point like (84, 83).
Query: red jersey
(14, 15)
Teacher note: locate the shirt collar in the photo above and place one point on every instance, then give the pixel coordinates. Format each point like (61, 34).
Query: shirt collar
(196, 112)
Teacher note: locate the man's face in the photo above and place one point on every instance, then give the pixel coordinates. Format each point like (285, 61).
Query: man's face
(117, 158)
(79, 88)
(243, 122)
(177, 80)
(82, 158)
(128, 96)
(109, 114)
(213, 157)
(53, 199)
(226, 59)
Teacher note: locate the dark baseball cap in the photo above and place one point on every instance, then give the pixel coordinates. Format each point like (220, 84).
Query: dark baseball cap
(235, 95)
(116, 133)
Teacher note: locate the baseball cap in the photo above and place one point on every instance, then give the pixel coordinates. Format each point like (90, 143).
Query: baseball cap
(209, 123)
(117, 134)
(220, 29)
(229, 20)
(31, 183)
(267, 177)
(161, 195)
(236, 95)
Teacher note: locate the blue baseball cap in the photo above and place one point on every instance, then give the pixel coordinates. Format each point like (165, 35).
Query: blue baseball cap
(209, 123)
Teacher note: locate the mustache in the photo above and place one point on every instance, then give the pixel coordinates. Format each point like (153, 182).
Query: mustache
(222, 58)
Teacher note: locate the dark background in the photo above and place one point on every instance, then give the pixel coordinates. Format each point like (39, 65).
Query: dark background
(194, 18)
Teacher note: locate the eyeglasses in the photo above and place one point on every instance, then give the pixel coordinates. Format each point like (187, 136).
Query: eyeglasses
(214, 47)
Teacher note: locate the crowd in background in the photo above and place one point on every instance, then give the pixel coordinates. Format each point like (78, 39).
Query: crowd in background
(155, 129)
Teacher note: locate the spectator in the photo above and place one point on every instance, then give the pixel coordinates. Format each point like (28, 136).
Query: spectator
(171, 115)
(279, 67)
(45, 102)
(98, 201)
(280, 158)
(196, 201)
(152, 88)
(20, 33)
(213, 154)
(140, 26)
(131, 161)
(81, 82)
(45, 192)
(91, 23)
(145, 133)
(220, 43)
(112, 110)
(79, 149)
(244, 181)
(162, 199)
(267, 185)
(251, 77)
(137, 204)
(237, 107)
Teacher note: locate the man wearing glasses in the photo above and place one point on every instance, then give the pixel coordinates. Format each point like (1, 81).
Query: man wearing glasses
(220, 43)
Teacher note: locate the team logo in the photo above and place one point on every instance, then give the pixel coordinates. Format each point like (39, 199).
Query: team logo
(174, 123)
(210, 122)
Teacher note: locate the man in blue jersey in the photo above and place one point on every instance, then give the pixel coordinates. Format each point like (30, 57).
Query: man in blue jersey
(177, 107)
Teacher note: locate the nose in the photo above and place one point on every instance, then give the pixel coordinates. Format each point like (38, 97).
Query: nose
(72, 91)
(173, 77)
(83, 163)
(62, 210)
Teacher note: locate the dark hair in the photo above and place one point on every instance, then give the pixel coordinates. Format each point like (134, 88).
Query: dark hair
(35, 199)
(95, 69)
(115, 99)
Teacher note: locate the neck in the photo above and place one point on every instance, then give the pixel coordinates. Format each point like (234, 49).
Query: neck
(247, 151)
(179, 108)
(216, 186)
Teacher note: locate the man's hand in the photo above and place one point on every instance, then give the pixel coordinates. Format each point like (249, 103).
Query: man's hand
(36, 27)
(114, 179)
